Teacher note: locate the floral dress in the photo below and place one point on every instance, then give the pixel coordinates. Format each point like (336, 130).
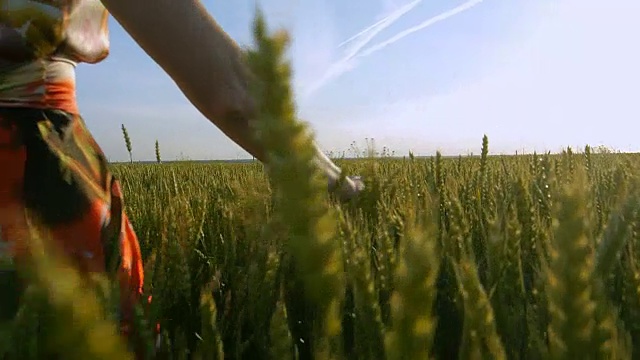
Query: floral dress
(50, 165)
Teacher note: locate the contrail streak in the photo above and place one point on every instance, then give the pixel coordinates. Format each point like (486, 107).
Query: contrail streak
(365, 36)
(349, 62)
(425, 24)
(384, 22)
(371, 33)
(380, 22)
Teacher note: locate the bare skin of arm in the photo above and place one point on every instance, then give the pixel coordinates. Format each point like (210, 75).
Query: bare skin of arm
(206, 64)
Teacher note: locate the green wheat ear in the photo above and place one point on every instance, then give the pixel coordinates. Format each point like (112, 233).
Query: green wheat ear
(369, 337)
(569, 275)
(299, 190)
(210, 346)
(480, 335)
(281, 341)
(413, 323)
(91, 334)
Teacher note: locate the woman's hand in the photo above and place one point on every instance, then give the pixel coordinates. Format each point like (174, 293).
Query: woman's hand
(350, 188)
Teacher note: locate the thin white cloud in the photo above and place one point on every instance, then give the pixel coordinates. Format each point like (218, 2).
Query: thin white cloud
(423, 25)
(559, 81)
(371, 31)
(360, 40)
(349, 61)
(366, 30)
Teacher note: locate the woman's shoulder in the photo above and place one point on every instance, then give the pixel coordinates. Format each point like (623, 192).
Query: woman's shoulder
(75, 29)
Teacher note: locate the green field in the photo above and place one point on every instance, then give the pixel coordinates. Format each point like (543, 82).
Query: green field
(518, 257)
(523, 257)
(488, 257)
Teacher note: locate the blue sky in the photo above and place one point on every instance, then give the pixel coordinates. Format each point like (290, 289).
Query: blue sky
(432, 75)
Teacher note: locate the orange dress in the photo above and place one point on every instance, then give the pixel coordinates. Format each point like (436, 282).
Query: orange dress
(50, 164)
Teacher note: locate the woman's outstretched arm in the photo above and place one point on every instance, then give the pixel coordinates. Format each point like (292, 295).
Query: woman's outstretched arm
(206, 64)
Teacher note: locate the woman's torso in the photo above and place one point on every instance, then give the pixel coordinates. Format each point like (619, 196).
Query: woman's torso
(41, 41)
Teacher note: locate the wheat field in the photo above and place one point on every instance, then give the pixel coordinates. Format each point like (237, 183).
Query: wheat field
(486, 257)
